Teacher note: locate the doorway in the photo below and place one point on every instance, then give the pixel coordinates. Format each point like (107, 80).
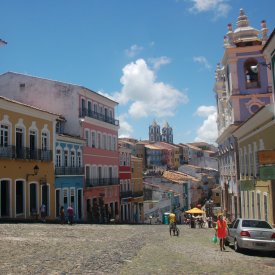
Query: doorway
(5, 198)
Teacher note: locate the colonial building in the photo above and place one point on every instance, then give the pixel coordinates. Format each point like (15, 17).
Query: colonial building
(125, 182)
(257, 159)
(90, 116)
(27, 136)
(241, 89)
(69, 174)
(137, 190)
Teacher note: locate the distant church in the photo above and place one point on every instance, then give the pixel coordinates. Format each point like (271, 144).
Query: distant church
(155, 135)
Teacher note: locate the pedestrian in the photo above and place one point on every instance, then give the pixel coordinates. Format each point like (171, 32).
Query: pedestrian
(221, 231)
(43, 212)
(70, 212)
(62, 215)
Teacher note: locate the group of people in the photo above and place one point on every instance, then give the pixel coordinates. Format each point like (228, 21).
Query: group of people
(220, 228)
(70, 213)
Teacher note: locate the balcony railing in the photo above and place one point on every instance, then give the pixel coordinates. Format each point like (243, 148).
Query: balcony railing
(13, 152)
(137, 194)
(85, 112)
(62, 170)
(132, 194)
(126, 194)
(102, 182)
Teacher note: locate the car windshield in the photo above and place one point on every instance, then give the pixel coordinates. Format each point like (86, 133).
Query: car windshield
(256, 224)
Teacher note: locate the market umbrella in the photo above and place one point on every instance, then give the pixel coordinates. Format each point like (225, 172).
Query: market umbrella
(195, 210)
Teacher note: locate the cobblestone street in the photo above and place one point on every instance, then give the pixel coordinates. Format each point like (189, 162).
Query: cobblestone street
(120, 249)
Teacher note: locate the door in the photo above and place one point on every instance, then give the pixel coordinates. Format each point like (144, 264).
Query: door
(45, 197)
(33, 199)
(79, 204)
(57, 202)
(5, 198)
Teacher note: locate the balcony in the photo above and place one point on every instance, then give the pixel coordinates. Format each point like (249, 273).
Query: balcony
(85, 112)
(137, 194)
(62, 170)
(102, 182)
(126, 194)
(13, 152)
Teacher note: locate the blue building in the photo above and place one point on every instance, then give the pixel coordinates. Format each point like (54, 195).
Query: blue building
(69, 175)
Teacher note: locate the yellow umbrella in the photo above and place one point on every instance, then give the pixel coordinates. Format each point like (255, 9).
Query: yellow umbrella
(195, 210)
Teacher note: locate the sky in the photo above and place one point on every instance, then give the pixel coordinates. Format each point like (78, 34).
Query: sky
(156, 58)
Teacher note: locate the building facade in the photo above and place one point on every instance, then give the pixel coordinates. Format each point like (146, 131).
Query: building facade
(27, 137)
(90, 116)
(241, 90)
(69, 175)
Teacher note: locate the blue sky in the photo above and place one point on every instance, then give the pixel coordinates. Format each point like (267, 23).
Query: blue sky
(157, 58)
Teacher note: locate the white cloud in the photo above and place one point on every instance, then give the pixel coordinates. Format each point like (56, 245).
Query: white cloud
(205, 111)
(134, 50)
(157, 62)
(208, 131)
(145, 95)
(125, 129)
(203, 61)
(219, 7)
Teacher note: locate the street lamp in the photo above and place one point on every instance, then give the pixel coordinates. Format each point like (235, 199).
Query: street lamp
(35, 172)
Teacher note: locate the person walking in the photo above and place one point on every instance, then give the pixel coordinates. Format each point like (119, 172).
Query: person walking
(221, 231)
(43, 212)
(62, 215)
(70, 212)
(172, 223)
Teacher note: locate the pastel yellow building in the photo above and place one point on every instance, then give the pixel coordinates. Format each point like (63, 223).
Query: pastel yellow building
(137, 189)
(27, 136)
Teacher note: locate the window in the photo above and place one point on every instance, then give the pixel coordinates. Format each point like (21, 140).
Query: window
(19, 140)
(104, 142)
(89, 108)
(65, 196)
(58, 158)
(251, 74)
(253, 204)
(73, 158)
(72, 191)
(95, 108)
(83, 103)
(66, 158)
(4, 134)
(33, 144)
(259, 205)
(265, 207)
(44, 141)
(99, 140)
(109, 142)
(93, 139)
(87, 135)
(79, 162)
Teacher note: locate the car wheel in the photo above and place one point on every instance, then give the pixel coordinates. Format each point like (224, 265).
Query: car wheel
(236, 246)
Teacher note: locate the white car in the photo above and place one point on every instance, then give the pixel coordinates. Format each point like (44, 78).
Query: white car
(251, 234)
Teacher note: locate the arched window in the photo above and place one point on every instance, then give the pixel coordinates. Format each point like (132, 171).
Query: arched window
(251, 74)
